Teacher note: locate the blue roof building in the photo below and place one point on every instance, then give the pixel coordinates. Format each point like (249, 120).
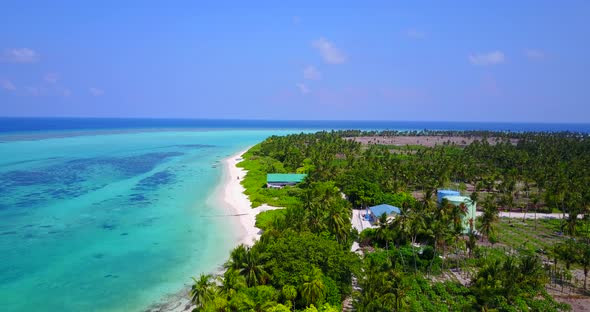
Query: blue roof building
(377, 211)
(440, 194)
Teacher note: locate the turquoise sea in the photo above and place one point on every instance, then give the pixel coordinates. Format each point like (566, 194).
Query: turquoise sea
(111, 221)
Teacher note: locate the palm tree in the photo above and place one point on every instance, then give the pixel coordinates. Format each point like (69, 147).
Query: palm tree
(338, 222)
(241, 302)
(401, 288)
(535, 201)
(471, 243)
(474, 196)
(411, 223)
(290, 293)
(201, 291)
(574, 210)
(484, 284)
(488, 218)
(438, 231)
(253, 269)
(457, 214)
(555, 254)
(567, 252)
(428, 200)
(382, 233)
(236, 257)
(401, 224)
(232, 282)
(218, 303)
(507, 201)
(248, 262)
(313, 289)
(532, 272)
(583, 258)
(313, 211)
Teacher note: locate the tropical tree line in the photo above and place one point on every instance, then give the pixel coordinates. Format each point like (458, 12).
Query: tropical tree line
(303, 259)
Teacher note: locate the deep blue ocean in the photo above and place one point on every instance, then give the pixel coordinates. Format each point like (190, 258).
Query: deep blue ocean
(27, 125)
(116, 214)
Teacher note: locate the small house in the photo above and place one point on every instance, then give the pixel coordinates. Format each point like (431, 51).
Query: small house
(279, 180)
(376, 212)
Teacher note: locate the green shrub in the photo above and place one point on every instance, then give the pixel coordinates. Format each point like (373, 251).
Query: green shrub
(265, 220)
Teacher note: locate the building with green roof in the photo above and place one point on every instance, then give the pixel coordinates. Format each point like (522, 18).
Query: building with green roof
(278, 180)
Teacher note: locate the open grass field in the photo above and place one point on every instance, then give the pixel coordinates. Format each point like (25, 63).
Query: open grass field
(518, 234)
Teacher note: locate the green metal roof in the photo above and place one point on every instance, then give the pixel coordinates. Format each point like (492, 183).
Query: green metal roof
(285, 177)
(458, 199)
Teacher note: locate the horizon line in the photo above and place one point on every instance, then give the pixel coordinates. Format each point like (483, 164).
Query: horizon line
(293, 120)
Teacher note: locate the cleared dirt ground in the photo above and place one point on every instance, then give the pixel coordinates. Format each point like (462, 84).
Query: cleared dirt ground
(428, 141)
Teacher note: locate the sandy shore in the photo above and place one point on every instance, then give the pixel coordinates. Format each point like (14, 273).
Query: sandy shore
(237, 203)
(233, 203)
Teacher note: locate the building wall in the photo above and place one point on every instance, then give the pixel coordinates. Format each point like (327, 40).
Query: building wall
(471, 208)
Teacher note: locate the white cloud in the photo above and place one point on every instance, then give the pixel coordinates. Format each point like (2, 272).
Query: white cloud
(7, 85)
(329, 52)
(533, 54)
(414, 33)
(19, 55)
(51, 77)
(302, 88)
(96, 91)
(490, 58)
(45, 90)
(311, 73)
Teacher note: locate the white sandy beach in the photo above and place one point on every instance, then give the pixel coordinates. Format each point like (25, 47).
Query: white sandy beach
(237, 203)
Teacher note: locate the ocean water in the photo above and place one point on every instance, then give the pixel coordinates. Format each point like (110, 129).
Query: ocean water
(111, 222)
(34, 125)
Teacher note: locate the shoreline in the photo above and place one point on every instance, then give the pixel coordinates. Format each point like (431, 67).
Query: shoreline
(236, 203)
(229, 197)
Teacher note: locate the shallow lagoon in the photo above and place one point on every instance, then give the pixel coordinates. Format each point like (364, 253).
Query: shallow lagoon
(111, 222)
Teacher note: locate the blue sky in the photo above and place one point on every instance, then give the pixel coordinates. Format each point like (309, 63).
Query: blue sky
(383, 60)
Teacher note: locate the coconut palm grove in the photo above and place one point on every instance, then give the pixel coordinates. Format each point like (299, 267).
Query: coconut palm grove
(420, 260)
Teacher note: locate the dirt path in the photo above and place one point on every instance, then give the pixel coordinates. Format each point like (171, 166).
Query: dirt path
(529, 215)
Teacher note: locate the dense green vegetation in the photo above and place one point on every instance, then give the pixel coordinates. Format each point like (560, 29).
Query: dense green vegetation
(419, 261)
(265, 219)
(258, 166)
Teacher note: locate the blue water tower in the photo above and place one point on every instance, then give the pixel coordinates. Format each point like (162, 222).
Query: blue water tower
(440, 194)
